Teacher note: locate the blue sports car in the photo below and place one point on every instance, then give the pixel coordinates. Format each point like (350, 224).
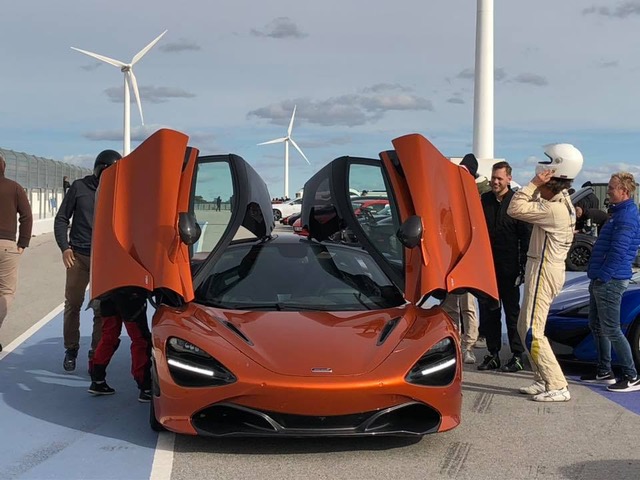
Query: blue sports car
(568, 321)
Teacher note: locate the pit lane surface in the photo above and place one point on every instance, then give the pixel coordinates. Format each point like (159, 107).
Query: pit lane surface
(53, 429)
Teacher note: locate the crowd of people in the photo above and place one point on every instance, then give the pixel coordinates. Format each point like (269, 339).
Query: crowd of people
(530, 231)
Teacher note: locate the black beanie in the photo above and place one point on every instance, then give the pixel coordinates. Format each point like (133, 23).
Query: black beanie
(471, 163)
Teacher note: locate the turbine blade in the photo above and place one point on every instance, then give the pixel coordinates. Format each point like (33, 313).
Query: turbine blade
(142, 52)
(301, 152)
(291, 122)
(115, 63)
(277, 140)
(136, 93)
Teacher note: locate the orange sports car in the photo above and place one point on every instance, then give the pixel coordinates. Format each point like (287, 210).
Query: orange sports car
(258, 332)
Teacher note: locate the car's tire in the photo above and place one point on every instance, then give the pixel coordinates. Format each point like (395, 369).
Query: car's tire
(277, 214)
(578, 256)
(155, 425)
(634, 341)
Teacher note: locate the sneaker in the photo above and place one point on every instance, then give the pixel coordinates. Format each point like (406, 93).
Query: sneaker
(534, 389)
(490, 362)
(69, 363)
(100, 388)
(625, 385)
(561, 395)
(605, 379)
(481, 343)
(468, 357)
(144, 396)
(513, 365)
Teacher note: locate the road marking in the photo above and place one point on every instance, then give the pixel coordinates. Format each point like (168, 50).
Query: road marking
(31, 331)
(163, 458)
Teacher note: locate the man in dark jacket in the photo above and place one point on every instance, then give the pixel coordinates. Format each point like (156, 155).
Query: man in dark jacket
(610, 270)
(509, 243)
(13, 202)
(78, 204)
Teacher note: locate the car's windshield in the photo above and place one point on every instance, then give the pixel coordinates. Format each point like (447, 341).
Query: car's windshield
(302, 275)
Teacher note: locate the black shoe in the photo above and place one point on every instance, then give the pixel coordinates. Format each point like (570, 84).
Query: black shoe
(144, 396)
(100, 388)
(490, 362)
(0, 347)
(69, 363)
(603, 379)
(625, 385)
(513, 365)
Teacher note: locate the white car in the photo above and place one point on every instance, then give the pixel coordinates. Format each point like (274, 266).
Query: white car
(284, 209)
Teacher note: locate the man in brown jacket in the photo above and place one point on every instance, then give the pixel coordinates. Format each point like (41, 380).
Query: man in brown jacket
(13, 202)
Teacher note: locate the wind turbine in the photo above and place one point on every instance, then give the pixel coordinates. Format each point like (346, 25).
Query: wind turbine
(286, 141)
(129, 81)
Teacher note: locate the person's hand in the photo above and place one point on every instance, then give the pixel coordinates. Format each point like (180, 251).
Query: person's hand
(68, 258)
(542, 177)
(20, 250)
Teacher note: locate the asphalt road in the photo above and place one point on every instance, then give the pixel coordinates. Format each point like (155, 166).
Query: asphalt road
(53, 429)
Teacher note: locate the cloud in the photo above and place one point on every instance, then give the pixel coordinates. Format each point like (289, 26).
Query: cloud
(608, 64)
(456, 100)
(281, 27)
(349, 109)
(82, 160)
(622, 10)
(340, 140)
(386, 87)
(92, 67)
(180, 45)
(532, 79)
(149, 94)
(469, 73)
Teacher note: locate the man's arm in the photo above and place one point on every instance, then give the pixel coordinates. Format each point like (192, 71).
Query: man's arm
(622, 237)
(63, 218)
(26, 219)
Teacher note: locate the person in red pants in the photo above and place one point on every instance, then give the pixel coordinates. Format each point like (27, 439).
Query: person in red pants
(128, 307)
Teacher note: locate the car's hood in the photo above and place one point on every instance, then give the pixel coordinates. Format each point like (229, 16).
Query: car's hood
(315, 343)
(576, 292)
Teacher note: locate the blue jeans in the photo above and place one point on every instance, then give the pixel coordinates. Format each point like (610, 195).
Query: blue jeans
(604, 321)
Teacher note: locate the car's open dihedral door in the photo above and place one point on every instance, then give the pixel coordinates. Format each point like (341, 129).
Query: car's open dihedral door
(141, 199)
(453, 254)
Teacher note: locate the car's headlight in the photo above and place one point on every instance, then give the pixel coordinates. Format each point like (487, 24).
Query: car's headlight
(191, 366)
(576, 311)
(437, 367)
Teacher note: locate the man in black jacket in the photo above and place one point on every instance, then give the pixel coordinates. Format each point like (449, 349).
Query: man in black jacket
(509, 244)
(78, 204)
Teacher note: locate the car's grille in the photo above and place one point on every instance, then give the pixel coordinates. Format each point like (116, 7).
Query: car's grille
(229, 419)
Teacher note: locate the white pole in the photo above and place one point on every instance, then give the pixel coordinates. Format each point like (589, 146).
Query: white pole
(286, 168)
(483, 90)
(126, 146)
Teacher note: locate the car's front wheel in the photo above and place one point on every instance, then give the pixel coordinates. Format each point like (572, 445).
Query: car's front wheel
(155, 425)
(277, 214)
(578, 256)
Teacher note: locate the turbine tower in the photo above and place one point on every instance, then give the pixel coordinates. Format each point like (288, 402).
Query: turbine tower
(483, 132)
(129, 82)
(286, 141)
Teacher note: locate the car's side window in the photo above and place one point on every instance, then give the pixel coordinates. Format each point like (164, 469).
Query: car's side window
(379, 224)
(212, 203)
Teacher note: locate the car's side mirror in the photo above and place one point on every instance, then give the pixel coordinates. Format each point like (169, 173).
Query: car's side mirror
(188, 227)
(410, 232)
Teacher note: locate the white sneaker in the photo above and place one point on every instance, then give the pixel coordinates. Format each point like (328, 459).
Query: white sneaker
(468, 357)
(561, 395)
(534, 389)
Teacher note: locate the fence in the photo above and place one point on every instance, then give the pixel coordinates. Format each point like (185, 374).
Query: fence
(41, 178)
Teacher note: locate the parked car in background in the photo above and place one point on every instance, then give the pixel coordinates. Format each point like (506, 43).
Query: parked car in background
(284, 209)
(568, 323)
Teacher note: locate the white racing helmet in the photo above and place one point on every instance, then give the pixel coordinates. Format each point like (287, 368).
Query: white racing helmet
(564, 158)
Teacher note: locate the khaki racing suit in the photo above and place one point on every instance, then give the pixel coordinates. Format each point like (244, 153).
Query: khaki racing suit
(553, 224)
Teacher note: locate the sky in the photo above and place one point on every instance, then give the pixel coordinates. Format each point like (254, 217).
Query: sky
(228, 74)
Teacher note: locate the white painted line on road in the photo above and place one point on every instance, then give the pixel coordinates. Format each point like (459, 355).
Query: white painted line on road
(34, 328)
(163, 458)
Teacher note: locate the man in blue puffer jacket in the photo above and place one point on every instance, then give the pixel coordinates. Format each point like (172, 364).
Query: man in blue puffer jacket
(610, 270)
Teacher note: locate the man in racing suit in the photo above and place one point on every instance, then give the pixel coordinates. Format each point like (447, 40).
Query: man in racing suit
(545, 203)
